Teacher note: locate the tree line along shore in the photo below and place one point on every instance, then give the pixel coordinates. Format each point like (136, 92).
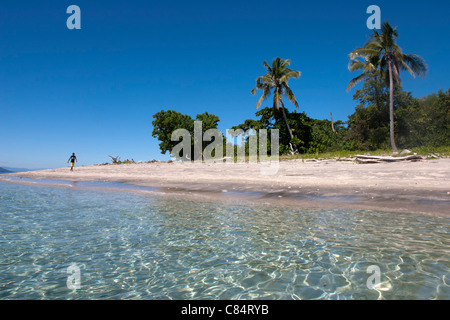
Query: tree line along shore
(387, 119)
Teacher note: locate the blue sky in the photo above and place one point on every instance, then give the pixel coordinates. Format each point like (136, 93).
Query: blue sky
(93, 91)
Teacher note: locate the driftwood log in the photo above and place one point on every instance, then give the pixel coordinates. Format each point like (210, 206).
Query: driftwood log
(376, 159)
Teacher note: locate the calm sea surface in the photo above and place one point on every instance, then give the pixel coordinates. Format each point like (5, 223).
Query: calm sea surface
(67, 243)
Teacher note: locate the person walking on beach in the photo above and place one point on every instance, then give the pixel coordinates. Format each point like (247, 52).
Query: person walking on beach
(72, 160)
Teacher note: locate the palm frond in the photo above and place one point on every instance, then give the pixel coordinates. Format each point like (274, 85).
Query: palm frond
(276, 78)
(290, 74)
(290, 95)
(355, 81)
(355, 65)
(414, 64)
(266, 65)
(285, 63)
(265, 95)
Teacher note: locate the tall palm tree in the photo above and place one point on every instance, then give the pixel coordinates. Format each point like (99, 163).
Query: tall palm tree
(276, 79)
(382, 48)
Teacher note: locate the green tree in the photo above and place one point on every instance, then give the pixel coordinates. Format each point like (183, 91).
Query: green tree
(324, 139)
(166, 122)
(383, 50)
(276, 79)
(425, 121)
(272, 118)
(369, 125)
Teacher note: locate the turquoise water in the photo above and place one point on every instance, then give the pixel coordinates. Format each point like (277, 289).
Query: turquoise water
(133, 246)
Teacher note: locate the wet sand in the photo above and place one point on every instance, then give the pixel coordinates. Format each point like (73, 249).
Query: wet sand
(419, 187)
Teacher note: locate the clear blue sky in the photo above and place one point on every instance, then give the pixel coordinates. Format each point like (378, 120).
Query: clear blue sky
(93, 91)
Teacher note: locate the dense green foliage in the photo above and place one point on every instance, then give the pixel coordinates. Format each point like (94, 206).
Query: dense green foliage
(383, 58)
(166, 122)
(419, 122)
(272, 118)
(383, 109)
(425, 121)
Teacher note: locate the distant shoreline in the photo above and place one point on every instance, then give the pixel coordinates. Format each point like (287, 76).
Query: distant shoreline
(418, 187)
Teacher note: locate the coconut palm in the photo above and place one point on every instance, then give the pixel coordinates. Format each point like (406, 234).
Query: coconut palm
(382, 49)
(276, 79)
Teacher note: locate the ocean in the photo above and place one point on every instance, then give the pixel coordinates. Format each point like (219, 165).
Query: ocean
(60, 242)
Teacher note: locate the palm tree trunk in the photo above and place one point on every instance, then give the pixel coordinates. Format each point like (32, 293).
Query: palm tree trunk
(285, 120)
(391, 106)
(293, 150)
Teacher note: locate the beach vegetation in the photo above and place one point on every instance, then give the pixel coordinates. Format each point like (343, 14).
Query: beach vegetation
(272, 118)
(386, 117)
(275, 83)
(165, 123)
(422, 126)
(382, 52)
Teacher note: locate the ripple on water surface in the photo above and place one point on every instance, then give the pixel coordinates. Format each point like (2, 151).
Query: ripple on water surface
(129, 246)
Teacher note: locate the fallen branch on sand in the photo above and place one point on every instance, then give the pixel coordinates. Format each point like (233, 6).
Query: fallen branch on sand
(377, 159)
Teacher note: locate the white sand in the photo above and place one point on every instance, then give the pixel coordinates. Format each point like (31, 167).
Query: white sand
(422, 186)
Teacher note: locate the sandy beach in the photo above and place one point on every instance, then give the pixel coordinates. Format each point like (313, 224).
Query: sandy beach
(420, 187)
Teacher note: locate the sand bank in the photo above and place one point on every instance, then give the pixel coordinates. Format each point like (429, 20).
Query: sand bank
(422, 186)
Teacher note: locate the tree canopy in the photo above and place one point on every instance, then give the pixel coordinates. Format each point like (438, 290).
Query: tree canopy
(166, 122)
(382, 56)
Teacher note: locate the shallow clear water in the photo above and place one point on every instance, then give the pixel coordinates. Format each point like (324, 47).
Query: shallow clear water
(132, 246)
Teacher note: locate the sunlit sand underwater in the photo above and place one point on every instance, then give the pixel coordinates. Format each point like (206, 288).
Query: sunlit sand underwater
(133, 246)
